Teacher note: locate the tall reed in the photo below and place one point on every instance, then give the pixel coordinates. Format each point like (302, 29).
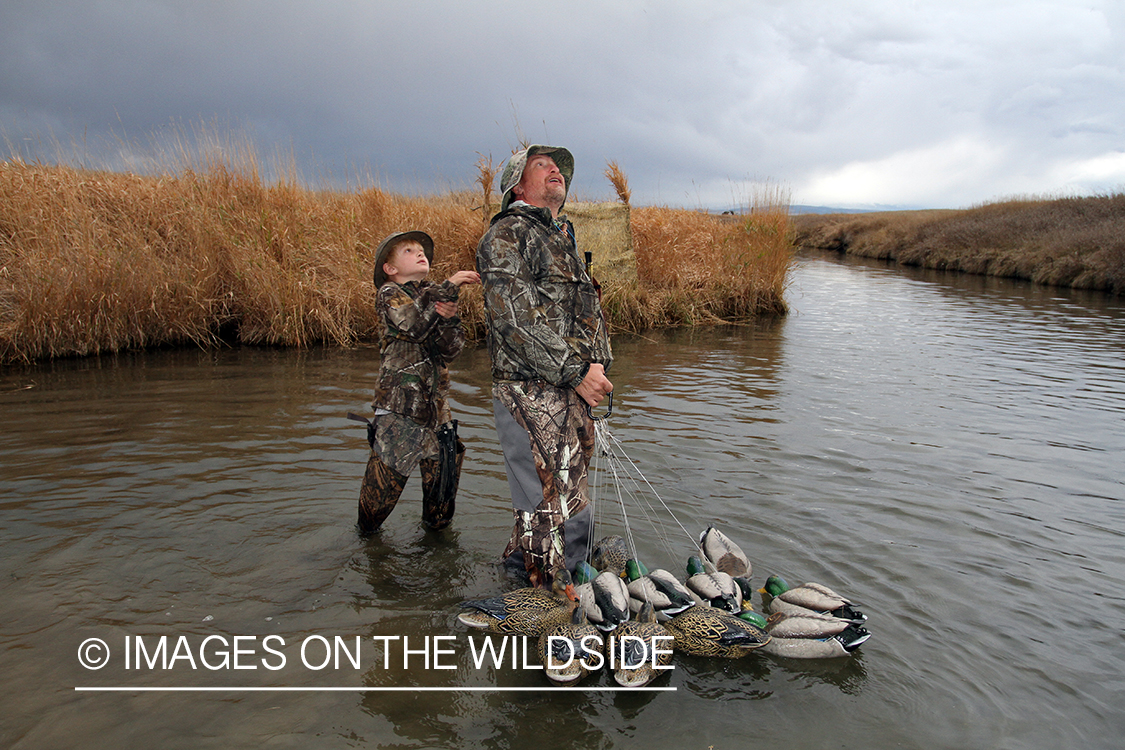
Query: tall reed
(98, 261)
(703, 268)
(620, 182)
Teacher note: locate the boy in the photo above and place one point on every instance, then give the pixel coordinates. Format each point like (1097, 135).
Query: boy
(413, 426)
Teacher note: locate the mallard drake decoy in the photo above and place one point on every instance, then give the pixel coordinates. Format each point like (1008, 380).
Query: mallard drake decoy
(725, 555)
(808, 636)
(569, 650)
(667, 595)
(707, 631)
(527, 611)
(717, 589)
(610, 553)
(605, 600)
(746, 588)
(640, 650)
(814, 597)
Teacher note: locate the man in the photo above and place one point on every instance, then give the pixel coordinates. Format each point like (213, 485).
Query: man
(550, 352)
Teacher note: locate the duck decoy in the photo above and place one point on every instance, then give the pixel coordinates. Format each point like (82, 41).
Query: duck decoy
(526, 611)
(717, 589)
(808, 636)
(658, 587)
(605, 600)
(640, 650)
(569, 650)
(610, 553)
(724, 554)
(808, 597)
(707, 631)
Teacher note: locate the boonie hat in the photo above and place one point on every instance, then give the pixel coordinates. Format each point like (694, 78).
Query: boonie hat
(389, 243)
(513, 170)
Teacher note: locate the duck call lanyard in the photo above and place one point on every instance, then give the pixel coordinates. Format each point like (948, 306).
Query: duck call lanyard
(564, 227)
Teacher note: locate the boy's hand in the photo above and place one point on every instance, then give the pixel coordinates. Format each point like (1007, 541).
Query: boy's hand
(446, 309)
(465, 277)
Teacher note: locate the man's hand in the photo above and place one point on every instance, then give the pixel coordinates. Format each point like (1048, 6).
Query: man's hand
(595, 386)
(446, 309)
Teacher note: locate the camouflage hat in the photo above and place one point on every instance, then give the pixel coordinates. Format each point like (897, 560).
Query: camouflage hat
(389, 244)
(513, 170)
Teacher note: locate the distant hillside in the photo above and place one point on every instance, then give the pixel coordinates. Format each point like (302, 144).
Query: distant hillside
(798, 209)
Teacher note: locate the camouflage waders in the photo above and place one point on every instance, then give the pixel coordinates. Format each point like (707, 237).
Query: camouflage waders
(548, 440)
(381, 489)
(382, 485)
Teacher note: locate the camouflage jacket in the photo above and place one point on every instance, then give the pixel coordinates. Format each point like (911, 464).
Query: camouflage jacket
(416, 347)
(543, 314)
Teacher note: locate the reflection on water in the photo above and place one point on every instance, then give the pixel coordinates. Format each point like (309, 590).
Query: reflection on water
(944, 448)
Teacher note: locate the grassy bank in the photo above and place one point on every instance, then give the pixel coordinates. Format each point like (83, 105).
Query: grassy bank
(1070, 242)
(94, 262)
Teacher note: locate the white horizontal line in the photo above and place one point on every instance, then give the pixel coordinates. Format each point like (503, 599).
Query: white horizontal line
(548, 689)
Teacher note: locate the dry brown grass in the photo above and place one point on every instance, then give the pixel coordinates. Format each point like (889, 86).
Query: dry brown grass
(94, 262)
(700, 268)
(619, 181)
(486, 176)
(1072, 242)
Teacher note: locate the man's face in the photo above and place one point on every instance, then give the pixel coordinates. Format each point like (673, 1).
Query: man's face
(542, 183)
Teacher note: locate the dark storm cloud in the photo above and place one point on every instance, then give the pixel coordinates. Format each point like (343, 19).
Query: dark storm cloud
(842, 103)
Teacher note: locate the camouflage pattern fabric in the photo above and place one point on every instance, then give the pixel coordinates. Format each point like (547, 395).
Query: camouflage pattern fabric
(402, 443)
(543, 314)
(416, 347)
(410, 400)
(545, 328)
(562, 443)
(382, 487)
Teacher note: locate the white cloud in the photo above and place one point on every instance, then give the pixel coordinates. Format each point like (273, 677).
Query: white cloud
(916, 177)
(1104, 173)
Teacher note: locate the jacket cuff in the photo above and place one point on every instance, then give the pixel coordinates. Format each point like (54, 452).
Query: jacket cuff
(577, 380)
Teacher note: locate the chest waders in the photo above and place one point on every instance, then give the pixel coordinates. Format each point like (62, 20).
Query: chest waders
(382, 486)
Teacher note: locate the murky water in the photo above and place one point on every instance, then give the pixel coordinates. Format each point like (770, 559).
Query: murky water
(946, 449)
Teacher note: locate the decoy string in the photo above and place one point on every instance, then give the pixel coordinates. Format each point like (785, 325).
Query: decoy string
(629, 481)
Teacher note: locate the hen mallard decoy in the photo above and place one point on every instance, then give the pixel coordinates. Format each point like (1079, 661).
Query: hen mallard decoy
(808, 636)
(725, 555)
(707, 631)
(604, 598)
(658, 587)
(610, 553)
(808, 597)
(568, 650)
(717, 589)
(640, 650)
(527, 611)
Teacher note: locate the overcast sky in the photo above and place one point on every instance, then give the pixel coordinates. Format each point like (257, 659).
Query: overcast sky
(936, 103)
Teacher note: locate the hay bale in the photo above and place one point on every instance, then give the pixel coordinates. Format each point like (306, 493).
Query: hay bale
(603, 229)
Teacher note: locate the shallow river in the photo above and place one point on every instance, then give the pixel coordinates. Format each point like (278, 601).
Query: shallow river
(946, 449)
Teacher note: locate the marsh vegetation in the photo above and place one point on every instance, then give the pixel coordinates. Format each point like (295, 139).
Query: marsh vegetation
(1074, 242)
(211, 252)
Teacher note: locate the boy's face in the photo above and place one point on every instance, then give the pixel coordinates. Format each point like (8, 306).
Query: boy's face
(406, 262)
